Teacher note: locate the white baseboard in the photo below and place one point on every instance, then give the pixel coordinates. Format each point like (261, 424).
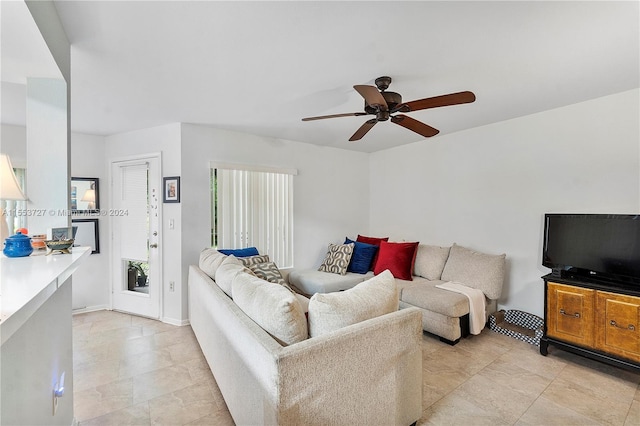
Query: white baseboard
(173, 321)
(90, 309)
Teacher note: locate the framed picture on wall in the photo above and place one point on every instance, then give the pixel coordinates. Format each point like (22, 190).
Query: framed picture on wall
(85, 195)
(171, 192)
(87, 234)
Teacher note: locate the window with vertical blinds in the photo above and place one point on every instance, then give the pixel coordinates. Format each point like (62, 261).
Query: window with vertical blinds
(253, 206)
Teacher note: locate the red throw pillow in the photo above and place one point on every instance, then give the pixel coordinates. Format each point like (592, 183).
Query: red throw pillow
(397, 258)
(376, 242)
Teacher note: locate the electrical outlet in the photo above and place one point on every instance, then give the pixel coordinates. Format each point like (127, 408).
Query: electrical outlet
(172, 285)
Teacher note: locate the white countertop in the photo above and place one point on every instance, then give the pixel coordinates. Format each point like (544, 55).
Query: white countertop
(27, 282)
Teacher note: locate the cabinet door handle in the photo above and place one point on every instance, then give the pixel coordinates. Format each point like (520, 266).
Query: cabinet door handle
(577, 314)
(629, 327)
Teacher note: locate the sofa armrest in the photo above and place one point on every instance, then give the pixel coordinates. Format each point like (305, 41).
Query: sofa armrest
(366, 373)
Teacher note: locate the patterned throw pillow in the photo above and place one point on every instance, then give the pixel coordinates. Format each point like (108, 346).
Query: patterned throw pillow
(252, 260)
(337, 259)
(268, 271)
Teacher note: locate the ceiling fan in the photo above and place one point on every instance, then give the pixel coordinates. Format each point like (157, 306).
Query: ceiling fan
(379, 102)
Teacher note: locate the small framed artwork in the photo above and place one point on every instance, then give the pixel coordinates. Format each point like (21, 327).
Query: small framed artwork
(85, 195)
(61, 233)
(87, 234)
(171, 193)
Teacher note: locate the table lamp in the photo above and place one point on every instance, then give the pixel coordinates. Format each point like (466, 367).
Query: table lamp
(9, 190)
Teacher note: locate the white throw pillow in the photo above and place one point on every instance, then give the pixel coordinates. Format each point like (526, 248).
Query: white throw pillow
(369, 299)
(227, 271)
(476, 270)
(210, 261)
(272, 307)
(430, 261)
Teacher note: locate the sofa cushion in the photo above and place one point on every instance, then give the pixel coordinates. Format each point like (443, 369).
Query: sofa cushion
(424, 294)
(210, 261)
(477, 270)
(313, 281)
(430, 261)
(243, 252)
(331, 311)
(268, 271)
(374, 241)
(397, 258)
(227, 271)
(272, 307)
(252, 260)
(362, 258)
(337, 259)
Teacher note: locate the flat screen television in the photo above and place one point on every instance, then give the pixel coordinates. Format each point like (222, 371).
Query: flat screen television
(593, 247)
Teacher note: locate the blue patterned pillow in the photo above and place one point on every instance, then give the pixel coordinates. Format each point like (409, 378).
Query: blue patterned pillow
(362, 257)
(337, 259)
(243, 252)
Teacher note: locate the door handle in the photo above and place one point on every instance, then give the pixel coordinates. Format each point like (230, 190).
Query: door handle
(153, 245)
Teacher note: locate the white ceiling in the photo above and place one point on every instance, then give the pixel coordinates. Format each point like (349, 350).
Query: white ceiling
(259, 67)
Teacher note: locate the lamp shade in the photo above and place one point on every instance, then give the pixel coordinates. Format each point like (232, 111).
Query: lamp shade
(9, 188)
(89, 195)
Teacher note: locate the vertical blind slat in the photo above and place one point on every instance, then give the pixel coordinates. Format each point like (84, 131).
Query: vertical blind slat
(255, 209)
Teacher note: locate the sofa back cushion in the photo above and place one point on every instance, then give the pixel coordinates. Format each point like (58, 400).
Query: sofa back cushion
(210, 261)
(227, 271)
(272, 307)
(430, 261)
(477, 270)
(369, 299)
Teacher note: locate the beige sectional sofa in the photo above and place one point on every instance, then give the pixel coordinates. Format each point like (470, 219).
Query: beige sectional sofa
(369, 372)
(444, 313)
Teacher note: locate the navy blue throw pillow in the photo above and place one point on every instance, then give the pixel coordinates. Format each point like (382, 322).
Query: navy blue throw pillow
(362, 257)
(243, 252)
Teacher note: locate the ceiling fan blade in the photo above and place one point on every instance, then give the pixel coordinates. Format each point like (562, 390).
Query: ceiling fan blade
(322, 117)
(414, 125)
(436, 101)
(363, 129)
(371, 95)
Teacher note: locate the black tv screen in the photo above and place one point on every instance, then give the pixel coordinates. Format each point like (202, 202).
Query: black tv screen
(593, 246)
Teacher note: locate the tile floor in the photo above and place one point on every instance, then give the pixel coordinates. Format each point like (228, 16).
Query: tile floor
(135, 371)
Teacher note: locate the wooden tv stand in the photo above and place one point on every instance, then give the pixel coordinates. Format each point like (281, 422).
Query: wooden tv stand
(593, 319)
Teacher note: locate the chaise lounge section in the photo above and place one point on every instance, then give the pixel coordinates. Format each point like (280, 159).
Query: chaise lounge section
(444, 313)
(374, 364)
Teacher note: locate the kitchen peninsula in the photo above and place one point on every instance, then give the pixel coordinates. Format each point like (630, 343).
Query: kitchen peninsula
(36, 336)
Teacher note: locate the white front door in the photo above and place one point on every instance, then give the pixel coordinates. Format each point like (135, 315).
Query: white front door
(135, 219)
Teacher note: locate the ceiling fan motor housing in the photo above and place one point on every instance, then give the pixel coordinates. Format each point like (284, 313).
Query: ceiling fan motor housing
(392, 98)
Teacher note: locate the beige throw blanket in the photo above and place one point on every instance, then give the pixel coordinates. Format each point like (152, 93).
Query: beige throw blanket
(477, 307)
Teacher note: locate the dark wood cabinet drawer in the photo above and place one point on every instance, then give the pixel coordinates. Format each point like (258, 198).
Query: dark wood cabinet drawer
(570, 313)
(618, 324)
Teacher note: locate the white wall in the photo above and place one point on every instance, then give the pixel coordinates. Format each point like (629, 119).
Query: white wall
(91, 280)
(47, 154)
(488, 188)
(331, 190)
(164, 139)
(14, 144)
